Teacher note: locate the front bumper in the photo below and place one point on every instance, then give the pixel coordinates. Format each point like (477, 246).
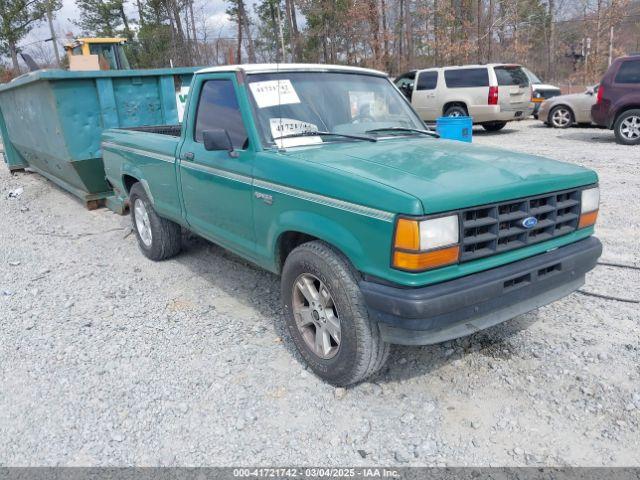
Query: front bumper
(460, 307)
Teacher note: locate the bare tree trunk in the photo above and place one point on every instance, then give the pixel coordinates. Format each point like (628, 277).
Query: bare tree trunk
(295, 33)
(280, 33)
(436, 33)
(276, 33)
(251, 51)
(243, 19)
(140, 12)
(374, 25)
(13, 50)
(551, 64)
(479, 30)
(596, 56)
(125, 21)
(239, 48)
(385, 33)
(400, 37)
(490, 33)
(54, 40)
(409, 33)
(196, 49)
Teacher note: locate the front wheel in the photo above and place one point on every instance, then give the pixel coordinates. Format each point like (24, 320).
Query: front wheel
(158, 237)
(561, 117)
(493, 126)
(627, 128)
(327, 318)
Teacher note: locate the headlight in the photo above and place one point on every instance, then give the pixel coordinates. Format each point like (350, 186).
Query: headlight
(424, 244)
(589, 205)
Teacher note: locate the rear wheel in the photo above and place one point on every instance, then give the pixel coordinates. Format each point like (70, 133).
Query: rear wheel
(627, 128)
(456, 111)
(327, 317)
(158, 237)
(561, 117)
(493, 126)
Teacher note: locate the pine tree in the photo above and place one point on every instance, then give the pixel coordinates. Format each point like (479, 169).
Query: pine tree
(105, 18)
(17, 18)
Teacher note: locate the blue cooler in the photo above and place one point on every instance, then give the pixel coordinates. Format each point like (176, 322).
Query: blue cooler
(455, 128)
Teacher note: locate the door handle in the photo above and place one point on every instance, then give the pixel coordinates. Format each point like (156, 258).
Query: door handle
(188, 156)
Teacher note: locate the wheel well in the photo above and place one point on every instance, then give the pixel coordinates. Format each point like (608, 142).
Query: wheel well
(624, 109)
(454, 104)
(287, 242)
(128, 181)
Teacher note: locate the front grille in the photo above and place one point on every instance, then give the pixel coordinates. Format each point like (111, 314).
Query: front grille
(497, 228)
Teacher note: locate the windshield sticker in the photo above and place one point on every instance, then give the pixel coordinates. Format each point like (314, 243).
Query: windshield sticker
(274, 92)
(282, 127)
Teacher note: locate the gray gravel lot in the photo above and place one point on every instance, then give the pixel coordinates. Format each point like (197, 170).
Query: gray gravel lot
(109, 359)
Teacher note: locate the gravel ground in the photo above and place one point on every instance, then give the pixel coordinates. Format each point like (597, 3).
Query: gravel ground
(107, 358)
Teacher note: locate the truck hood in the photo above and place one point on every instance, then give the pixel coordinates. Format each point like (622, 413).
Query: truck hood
(447, 175)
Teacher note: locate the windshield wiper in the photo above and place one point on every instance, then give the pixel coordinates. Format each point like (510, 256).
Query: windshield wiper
(404, 129)
(316, 134)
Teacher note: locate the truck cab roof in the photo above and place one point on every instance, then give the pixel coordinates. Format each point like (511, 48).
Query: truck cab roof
(289, 67)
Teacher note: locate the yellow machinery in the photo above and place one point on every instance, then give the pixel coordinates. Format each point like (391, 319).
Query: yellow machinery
(97, 54)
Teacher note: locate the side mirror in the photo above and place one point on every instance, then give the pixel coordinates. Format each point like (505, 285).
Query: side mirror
(218, 139)
(590, 91)
(407, 89)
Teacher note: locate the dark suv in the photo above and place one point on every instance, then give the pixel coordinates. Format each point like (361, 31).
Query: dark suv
(618, 104)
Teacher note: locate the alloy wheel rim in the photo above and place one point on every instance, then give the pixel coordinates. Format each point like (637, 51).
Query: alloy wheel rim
(561, 117)
(630, 127)
(316, 316)
(143, 225)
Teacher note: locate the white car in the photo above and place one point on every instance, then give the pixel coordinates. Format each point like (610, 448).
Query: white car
(491, 94)
(540, 91)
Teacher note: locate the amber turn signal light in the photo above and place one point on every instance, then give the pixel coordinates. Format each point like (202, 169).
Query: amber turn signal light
(588, 219)
(407, 234)
(426, 260)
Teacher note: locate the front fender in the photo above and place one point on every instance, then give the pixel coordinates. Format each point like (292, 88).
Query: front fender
(324, 228)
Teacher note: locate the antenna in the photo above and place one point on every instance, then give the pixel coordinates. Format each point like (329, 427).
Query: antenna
(281, 146)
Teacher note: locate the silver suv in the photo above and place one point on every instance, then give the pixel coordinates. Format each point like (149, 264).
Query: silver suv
(491, 94)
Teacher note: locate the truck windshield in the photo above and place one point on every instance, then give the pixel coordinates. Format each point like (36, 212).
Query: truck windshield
(295, 108)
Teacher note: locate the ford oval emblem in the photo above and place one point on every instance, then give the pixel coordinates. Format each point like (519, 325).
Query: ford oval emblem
(529, 222)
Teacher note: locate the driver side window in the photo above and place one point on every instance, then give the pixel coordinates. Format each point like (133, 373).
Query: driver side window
(218, 108)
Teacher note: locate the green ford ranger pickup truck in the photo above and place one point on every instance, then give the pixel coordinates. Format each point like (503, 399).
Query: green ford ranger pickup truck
(381, 232)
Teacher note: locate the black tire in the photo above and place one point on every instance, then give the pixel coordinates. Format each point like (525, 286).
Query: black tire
(571, 119)
(624, 137)
(493, 126)
(456, 111)
(166, 236)
(361, 351)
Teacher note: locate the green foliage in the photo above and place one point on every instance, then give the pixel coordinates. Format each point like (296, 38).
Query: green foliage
(102, 18)
(268, 38)
(17, 18)
(153, 48)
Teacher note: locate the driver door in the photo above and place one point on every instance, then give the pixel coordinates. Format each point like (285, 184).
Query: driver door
(216, 185)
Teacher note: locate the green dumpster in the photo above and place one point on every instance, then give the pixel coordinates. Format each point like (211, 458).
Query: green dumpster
(51, 120)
